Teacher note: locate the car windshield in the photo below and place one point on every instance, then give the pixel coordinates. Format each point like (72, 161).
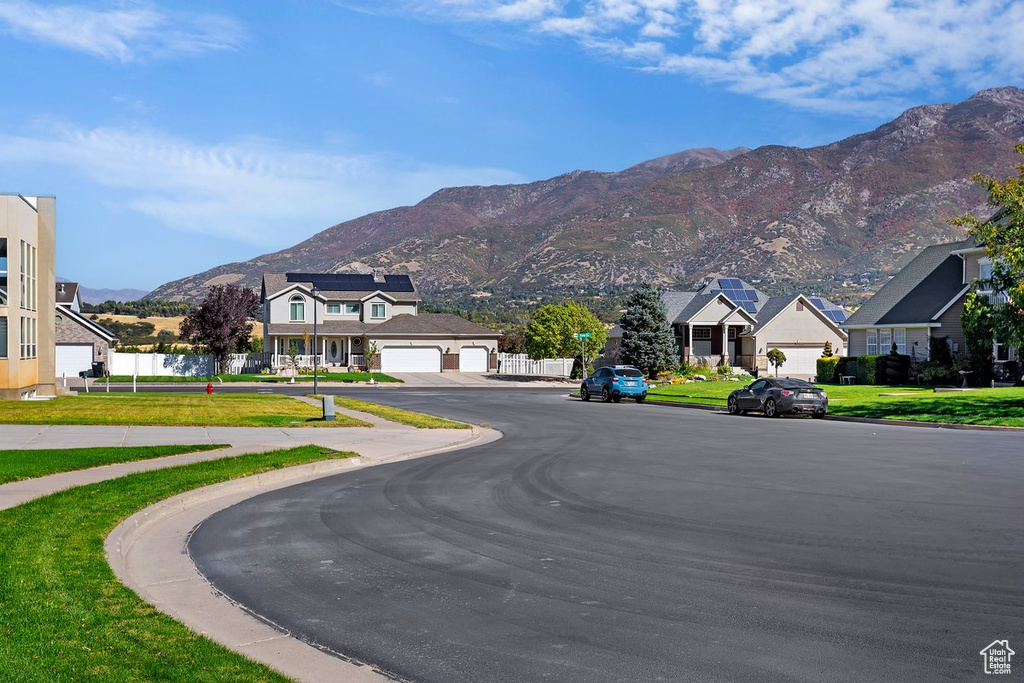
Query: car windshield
(794, 384)
(629, 372)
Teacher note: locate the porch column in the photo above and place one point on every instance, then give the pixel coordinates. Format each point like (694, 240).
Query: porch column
(348, 350)
(725, 343)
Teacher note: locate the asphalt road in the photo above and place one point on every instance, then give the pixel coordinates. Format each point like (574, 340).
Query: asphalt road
(642, 543)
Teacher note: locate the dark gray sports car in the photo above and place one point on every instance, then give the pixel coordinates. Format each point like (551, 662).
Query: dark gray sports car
(776, 396)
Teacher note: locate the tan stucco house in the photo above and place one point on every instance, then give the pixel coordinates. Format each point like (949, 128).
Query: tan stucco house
(922, 301)
(354, 310)
(27, 277)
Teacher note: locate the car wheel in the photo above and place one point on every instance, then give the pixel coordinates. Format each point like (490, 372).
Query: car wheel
(641, 399)
(616, 398)
(818, 415)
(584, 394)
(732, 407)
(771, 409)
(606, 395)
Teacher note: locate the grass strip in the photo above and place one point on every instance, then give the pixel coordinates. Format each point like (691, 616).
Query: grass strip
(64, 616)
(177, 410)
(406, 417)
(347, 377)
(17, 465)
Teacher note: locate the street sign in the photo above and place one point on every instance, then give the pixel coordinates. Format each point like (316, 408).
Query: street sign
(583, 335)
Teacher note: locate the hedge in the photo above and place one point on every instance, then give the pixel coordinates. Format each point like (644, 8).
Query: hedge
(828, 369)
(881, 369)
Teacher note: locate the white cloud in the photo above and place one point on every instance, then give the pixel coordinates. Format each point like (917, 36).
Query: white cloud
(124, 33)
(254, 191)
(845, 55)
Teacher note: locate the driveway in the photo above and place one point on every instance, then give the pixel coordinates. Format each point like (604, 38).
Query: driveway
(636, 542)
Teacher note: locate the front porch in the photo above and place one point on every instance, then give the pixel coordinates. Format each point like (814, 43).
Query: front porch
(334, 353)
(713, 345)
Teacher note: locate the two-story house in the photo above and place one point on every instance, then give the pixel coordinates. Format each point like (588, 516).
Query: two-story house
(922, 301)
(353, 311)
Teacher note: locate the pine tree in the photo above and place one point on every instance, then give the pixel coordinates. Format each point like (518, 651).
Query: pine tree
(647, 340)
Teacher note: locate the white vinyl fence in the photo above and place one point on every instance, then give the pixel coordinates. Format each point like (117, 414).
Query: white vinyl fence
(521, 364)
(160, 365)
(249, 363)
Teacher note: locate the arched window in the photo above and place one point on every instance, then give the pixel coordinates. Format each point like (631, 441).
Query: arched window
(297, 309)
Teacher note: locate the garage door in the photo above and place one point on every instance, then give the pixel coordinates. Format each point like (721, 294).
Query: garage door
(72, 359)
(473, 359)
(801, 361)
(414, 359)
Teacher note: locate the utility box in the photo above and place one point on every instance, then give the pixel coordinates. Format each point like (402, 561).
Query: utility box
(99, 369)
(329, 409)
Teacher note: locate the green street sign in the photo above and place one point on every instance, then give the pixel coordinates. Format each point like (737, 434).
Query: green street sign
(583, 335)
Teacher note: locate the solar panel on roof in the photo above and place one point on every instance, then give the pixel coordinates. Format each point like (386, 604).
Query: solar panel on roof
(817, 302)
(749, 307)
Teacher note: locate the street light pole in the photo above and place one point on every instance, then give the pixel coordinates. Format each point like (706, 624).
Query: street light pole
(316, 355)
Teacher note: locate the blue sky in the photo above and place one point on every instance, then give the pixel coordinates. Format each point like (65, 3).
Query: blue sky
(182, 135)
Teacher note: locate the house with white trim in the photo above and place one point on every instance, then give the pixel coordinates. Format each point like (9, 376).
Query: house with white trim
(338, 316)
(80, 340)
(925, 300)
(727, 320)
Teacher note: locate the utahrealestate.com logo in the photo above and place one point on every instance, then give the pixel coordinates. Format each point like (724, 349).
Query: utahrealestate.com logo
(996, 656)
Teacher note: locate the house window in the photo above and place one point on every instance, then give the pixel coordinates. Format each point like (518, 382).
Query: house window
(732, 334)
(1001, 350)
(3, 337)
(351, 309)
(3, 271)
(297, 309)
(984, 275)
(28, 337)
(899, 335)
(872, 340)
(334, 309)
(377, 310)
(28, 276)
(297, 345)
(884, 340)
(702, 341)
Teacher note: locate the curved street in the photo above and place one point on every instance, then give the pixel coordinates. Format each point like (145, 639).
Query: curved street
(636, 542)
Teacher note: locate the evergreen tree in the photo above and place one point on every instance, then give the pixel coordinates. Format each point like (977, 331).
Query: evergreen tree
(647, 340)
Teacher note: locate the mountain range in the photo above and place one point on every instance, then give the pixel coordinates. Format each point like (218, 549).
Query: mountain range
(831, 219)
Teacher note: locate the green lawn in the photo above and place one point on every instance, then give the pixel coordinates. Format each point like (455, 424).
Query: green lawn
(323, 377)
(64, 616)
(179, 410)
(408, 417)
(27, 464)
(1002, 406)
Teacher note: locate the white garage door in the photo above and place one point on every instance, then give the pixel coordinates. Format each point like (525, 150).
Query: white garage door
(801, 361)
(414, 359)
(473, 359)
(72, 359)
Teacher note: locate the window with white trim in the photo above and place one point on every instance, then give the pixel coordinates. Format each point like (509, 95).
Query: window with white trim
(899, 335)
(1001, 350)
(872, 342)
(984, 275)
(378, 310)
(297, 309)
(702, 341)
(884, 340)
(333, 309)
(351, 309)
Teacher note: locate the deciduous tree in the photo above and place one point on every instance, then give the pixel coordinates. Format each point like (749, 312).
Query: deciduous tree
(1003, 238)
(776, 357)
(221, 322)
(647, 340)
(550, 333)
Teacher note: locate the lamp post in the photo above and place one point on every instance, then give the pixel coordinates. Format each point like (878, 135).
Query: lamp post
(316, 355)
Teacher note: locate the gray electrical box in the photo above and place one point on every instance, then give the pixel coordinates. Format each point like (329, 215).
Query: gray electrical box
(329, 408)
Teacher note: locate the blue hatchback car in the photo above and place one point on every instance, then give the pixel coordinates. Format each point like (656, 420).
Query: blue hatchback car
(612, 383)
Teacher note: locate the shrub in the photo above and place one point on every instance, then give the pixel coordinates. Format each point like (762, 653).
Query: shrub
(892, 369)
(866, 369)
(828, 369)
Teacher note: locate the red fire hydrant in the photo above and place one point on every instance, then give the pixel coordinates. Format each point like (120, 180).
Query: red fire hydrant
(209, 388)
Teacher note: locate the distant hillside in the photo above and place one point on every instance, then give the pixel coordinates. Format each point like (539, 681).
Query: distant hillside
(783, 217)
(98, 296)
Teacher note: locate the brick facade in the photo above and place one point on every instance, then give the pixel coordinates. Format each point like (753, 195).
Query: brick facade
(450, 362)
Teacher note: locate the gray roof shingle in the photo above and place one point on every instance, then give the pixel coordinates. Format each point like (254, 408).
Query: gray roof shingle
(276, 282)
(918, 292)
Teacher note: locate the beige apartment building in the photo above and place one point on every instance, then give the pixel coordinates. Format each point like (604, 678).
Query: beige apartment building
(27, 296)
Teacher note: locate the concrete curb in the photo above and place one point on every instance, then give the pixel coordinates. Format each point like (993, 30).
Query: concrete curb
(148, 553)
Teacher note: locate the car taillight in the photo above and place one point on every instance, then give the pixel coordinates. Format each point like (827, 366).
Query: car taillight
(615, 379)
(786, 392)
(824, 395)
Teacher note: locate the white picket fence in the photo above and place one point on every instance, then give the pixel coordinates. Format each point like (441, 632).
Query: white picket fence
(522, 364)
(161, 365)
(249, 363)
